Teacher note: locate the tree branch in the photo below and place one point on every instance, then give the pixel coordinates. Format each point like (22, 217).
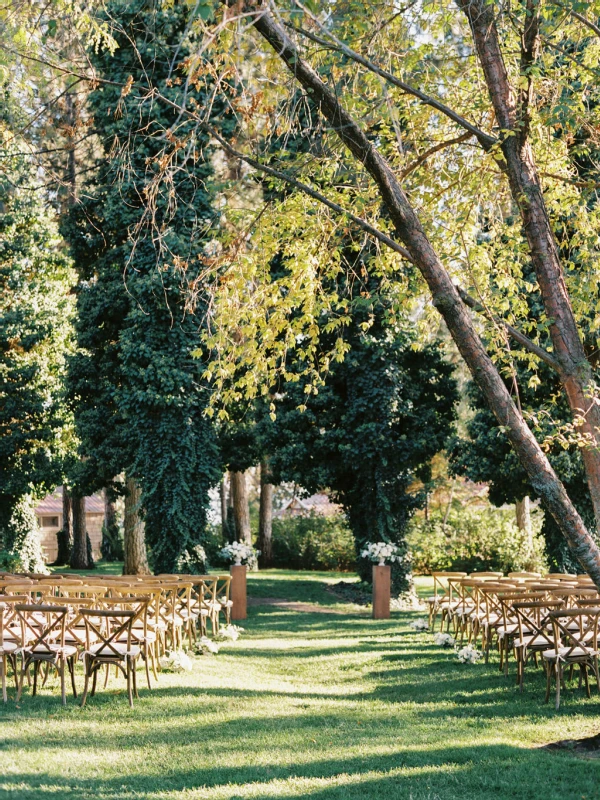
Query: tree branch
(484, 139)
(436, 148)
(514, 333)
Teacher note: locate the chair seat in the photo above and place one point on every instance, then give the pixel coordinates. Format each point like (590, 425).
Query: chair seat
(52, 650)
(531, 641)
(8, 647)
(568, 653)
(102, 650)
(137, 634)
(226, 603)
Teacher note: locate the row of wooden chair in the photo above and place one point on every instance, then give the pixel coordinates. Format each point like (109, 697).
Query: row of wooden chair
(551, 619)
(54, 621)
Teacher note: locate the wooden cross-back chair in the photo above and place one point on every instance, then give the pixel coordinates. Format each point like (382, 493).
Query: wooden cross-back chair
(441, 592)
(534, 635)
(223, 591)
(451, 600)
(575, 642)
(143, 629)
(109, 641)
(488, 617)
(10, 639)
(43, 628)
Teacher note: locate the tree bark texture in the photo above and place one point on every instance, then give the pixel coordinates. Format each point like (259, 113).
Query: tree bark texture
(241, 512)
(64, 536)
(231, 531)
(444, 295)
(79, 553)
(265, 516)
(512, 114)
(223, 501)
(134, 539)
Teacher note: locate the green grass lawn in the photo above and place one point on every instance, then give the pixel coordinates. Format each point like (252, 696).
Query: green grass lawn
(316, 705)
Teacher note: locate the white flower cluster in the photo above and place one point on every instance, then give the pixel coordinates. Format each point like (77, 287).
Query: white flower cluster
(239, 553)
(229, 633)
(381, 552)
(419, 625)
(468, 654)
(207, 646)
(444, 640)
(176, 661)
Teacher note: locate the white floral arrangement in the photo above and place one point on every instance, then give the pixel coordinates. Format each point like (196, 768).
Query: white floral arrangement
(229, 633)
(206, 646)
(381, 553)
(444, 640)
(176, 661)
(240, 553)
(419, 625)
(468, 654)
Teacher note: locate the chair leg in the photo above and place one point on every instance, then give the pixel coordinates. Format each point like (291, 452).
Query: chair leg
(146, 659)
(586, 680)
(129, 694)
(63, 691)
(94, 679)
(21, 678)
(107, 675)
(4, 695)
(558, 682)
(71, 665)
(86, 670)
(36, 669)
(134, 676)
(548, 680)
(154, 656)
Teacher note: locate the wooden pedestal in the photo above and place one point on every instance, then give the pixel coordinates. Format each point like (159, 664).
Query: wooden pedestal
(238, 592)
(381, 591)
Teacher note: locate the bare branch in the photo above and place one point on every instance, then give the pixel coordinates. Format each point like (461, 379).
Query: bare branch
(435, 149)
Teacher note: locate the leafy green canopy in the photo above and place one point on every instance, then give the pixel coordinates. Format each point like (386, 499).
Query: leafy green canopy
(371, 430)
(36, 314)
(140, 244)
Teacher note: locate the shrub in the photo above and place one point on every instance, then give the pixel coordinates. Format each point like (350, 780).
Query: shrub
(475, 539)
(313, 542)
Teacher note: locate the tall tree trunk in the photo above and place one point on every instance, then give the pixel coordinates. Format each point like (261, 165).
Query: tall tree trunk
(265, 516)
(136, 558)
(241, 512)
(231, 531)
(523, 511)
(224, 520)
(110, 511)
(64, 536)
(445, 295)
(79, 553)
(513, 113)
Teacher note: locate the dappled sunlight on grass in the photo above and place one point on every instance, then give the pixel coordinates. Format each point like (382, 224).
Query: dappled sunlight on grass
(316, 705)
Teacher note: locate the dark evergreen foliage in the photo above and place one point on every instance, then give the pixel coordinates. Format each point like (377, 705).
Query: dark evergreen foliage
(138, 243)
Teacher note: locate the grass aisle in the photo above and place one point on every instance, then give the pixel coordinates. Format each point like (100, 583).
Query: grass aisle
(320, 705)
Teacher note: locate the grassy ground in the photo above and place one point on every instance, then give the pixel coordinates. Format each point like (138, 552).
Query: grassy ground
(316, 705)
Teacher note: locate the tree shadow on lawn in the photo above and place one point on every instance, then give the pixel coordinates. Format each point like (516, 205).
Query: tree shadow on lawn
(449, 772)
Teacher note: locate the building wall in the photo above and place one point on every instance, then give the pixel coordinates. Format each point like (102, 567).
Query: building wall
(93, 523)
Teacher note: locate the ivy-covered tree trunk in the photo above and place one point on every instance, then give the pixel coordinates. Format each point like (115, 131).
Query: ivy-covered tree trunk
(79, 553)
(265, 517)
(224, 510)
(64, 536)
(112, 545)
(134, 538)
(231, 532)
(241, 512)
